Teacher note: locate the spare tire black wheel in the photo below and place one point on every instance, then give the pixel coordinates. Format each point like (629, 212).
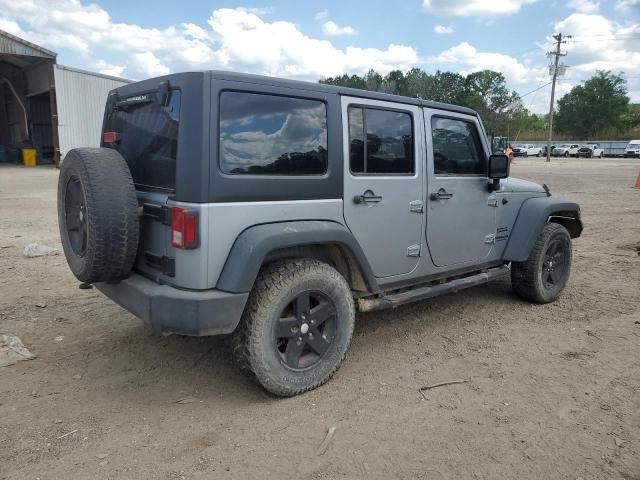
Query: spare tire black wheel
(97, 214)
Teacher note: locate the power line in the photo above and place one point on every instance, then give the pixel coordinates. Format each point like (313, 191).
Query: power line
(616, 39)
(535, 90)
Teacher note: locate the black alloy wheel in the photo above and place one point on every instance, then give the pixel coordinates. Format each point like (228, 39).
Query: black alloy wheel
(75, 216)
(554, 265)
(305, 330)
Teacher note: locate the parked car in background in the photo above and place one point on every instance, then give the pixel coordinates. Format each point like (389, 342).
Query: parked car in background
(633, 149)
(566, 150)
(543, 151)
(526, 150)
(591, 150)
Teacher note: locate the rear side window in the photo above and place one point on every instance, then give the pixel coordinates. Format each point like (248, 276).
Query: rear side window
(272, 135)
(457, 149)
(388, 148)
(148, 137)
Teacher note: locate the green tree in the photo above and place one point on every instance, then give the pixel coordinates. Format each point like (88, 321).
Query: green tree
(484, 91)
(597, 105)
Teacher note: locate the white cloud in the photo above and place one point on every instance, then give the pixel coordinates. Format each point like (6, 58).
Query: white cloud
(333, 29)
(148, 65)
(466, 8)
(237, 39)
(322, 15)
(584, 6)
(613, 48)
(628, 5)
(465, 58)
(443, 29)
(108, 69)
(11, 27)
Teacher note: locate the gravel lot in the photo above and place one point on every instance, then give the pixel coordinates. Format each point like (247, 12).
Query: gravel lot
(553, 391)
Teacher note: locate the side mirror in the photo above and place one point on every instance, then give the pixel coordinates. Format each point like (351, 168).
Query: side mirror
(498, 169)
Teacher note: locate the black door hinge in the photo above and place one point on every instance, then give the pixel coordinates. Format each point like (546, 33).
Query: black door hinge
(161, 213)
(165, 264)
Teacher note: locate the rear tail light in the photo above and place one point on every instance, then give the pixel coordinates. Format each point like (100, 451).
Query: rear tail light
(110, 137)
(184, 228)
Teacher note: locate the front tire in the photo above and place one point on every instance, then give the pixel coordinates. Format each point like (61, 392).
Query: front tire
(543, 276)
(296, 327)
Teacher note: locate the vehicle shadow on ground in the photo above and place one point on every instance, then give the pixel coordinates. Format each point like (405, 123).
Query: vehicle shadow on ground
(137, 363)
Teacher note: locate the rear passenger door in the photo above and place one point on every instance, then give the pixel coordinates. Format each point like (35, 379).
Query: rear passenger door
(383, 195)
(461, 213)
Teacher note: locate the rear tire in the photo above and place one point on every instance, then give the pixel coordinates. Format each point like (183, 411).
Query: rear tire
(97, 214)
(296, 327)
(543, 276)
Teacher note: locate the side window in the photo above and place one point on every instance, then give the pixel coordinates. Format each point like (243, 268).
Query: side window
(389, 144)
(272, 135)
(457, 149)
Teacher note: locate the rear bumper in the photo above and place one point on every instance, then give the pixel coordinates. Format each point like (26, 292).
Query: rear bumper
(170, 310)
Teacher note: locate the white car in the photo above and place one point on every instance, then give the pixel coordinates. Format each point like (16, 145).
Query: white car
(566, 150)
(633, 149)
(526, 150)
(591, 150)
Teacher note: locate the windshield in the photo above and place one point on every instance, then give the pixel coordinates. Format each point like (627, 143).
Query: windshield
(565, 146)
(633, 144)
(148, 137)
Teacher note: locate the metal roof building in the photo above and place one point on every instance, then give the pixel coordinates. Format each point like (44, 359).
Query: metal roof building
(47, 106)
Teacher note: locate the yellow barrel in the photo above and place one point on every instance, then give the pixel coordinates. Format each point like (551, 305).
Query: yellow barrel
(29, 157)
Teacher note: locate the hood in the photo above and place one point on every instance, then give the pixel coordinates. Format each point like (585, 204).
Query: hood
(517, 185)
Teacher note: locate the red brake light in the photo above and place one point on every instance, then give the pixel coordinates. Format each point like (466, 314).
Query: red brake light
(110, 137)
(184, 228)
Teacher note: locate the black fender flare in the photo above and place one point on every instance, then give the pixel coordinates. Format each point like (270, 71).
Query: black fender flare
(533, 214)
(254, 244)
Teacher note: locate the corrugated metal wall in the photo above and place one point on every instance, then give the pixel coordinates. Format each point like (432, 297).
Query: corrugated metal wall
(81, 97)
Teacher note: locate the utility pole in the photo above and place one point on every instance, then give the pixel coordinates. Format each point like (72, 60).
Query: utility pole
(557, 54)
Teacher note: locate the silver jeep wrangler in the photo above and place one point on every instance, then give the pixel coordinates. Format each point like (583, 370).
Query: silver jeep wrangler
(274, 209)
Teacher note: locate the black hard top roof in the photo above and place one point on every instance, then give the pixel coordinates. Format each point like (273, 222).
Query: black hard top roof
(352, 92)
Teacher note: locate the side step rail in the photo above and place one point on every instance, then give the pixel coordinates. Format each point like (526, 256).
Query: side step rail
(422, 293)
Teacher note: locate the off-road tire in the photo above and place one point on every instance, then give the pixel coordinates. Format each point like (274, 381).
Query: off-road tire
(277, 285)
(110, 214)
(527, 277)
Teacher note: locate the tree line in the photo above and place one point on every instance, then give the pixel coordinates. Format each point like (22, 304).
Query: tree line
(600, 106)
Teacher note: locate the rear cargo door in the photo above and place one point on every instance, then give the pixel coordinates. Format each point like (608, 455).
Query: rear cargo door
(144, 127)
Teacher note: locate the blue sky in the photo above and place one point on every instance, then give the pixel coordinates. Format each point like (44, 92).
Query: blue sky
(309, 40)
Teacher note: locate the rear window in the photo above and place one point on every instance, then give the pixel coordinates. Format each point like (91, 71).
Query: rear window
(272, 135)
(148, 137)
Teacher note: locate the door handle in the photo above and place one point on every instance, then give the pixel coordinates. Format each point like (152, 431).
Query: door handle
(367, 197)
(441, 195)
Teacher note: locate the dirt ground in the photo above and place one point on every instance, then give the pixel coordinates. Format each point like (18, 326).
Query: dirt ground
(553, 391)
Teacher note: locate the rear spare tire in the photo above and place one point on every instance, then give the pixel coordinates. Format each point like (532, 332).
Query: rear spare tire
(97, 214)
